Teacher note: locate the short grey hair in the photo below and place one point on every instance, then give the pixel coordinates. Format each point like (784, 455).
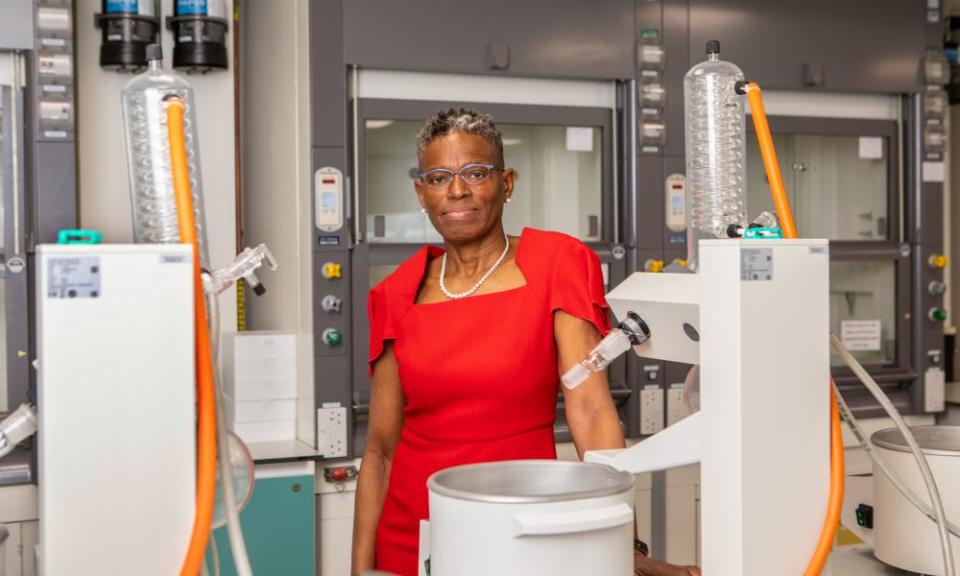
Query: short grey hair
(464, 120)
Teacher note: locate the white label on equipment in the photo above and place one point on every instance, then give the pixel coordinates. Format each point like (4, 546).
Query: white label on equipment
(73, 277)
(756, 264)
(933, 171)
(579, 139)
(861, 335)
(871, 148)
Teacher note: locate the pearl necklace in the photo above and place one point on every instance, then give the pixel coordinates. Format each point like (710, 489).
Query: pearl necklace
(475, 287)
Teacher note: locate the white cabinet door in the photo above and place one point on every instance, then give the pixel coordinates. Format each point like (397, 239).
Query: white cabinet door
(10, 564)
(29, 537)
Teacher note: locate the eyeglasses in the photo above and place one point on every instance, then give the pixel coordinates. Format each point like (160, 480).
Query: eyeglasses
(471, 174)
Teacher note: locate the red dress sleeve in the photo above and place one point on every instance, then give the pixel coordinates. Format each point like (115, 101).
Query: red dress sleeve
(381, 323)
(576, 285)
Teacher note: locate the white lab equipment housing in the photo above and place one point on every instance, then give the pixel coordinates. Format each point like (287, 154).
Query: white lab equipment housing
(763, 328)
(115, 388)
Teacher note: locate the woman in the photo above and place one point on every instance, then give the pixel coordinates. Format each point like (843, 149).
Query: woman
(467, 344)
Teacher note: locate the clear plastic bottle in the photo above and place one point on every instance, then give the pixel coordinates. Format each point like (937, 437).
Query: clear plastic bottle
(148, 155)
(715, 149)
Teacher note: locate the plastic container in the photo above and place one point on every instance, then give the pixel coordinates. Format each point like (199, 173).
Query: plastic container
(902, 535)
(148, 155)
(517, 518)
(715, 149)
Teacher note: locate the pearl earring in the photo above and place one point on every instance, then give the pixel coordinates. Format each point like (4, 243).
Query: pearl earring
(422, 209)
(508, 200)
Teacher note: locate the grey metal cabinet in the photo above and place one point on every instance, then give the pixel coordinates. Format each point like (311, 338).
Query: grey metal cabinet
(560, 38)
(851, 45)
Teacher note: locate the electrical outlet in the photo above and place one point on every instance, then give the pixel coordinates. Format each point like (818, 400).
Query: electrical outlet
(332, 432)
(934, 390)
(651, 409)
(676, 409)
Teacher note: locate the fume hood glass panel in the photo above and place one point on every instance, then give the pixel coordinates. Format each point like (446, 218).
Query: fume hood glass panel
(838, 185)
(863, 309)
(558, 185)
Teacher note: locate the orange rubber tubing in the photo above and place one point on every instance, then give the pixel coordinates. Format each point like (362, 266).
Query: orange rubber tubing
(206, 414)
(780, 201)
(782, 205)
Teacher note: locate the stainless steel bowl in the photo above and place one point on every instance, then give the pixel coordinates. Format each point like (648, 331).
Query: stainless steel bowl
(529, 481)
(933, 440)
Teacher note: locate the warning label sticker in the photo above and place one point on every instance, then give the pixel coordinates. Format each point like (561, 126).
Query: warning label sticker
(756, 264)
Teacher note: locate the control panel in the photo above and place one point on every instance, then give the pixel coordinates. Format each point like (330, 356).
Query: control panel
(676, 202)
(328, 199)
(333, 322)
(931, 105)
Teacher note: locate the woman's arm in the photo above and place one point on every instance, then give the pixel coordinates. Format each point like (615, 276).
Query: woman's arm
(591, 415)
(386, 421)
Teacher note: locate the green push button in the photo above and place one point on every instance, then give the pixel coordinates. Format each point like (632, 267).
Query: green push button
(332, 337)
(938, 314)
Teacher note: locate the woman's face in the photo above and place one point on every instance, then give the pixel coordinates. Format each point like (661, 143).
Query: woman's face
(460, 211)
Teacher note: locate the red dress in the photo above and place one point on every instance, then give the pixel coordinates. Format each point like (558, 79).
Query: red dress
(479, 375)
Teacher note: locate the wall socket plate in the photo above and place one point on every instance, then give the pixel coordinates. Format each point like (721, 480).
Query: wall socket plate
(676, 409)
(934, 390)
(332, 432)
(651, 409)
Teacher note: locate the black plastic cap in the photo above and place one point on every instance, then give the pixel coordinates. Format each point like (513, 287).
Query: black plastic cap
(154, 52)
(713, 47)
(199, 56)
(259, 290)
(129, 56)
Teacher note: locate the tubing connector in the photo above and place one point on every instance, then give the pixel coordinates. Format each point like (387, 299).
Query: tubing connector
(243, 266)
(632, 331)
(17, 427)
(765, 219)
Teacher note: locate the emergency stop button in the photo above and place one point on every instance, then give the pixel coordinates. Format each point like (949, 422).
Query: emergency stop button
(331, 270)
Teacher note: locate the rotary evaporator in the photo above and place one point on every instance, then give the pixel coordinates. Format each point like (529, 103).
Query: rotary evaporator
(139, 323)
(752, 302)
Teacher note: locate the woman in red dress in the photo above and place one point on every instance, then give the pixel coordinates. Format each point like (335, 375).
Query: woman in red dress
(467, 343)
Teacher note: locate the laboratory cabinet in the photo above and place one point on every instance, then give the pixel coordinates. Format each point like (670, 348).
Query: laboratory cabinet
(561, 38)
(843, 178)
(279, 528)
(848, 46)
(17, 549)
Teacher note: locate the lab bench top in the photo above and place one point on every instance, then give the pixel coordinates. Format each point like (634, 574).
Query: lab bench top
(278, 452)
(15, 468)
(861, 562)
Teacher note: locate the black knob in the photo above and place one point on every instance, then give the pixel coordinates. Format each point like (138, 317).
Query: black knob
(713, 47)
(154, 52)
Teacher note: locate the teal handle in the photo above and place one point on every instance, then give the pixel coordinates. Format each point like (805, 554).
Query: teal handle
(79, 236)
(763, 233)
